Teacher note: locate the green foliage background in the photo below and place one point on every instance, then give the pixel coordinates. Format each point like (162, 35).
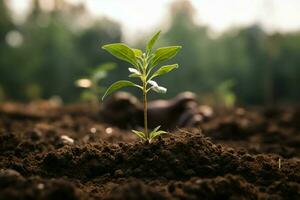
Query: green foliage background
(56, 51)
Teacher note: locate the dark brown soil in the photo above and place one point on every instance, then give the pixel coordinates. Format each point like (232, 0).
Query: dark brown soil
(237, 154)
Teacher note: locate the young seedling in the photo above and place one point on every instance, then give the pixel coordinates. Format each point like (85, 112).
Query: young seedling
(143, 68)
(92, 84)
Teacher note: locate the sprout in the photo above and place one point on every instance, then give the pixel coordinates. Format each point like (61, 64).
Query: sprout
(144, 66)
(92, 84)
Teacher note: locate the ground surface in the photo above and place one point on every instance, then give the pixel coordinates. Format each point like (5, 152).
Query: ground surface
(238, 154)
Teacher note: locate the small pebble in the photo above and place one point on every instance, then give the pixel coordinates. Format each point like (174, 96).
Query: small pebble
(93, 130)
(198, 181)
(67, 140)
(109, 130)
(40, 186)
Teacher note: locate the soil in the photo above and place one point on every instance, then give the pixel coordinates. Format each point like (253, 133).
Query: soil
(48, 151)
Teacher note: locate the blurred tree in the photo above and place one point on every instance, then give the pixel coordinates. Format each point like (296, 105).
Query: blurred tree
(5, 22)
(287, 70)
(54, 60)
(248, 56)
(56, 46)
(251, 78)
(89, 44)
(58, 54)
(183, 31)
(6, 52)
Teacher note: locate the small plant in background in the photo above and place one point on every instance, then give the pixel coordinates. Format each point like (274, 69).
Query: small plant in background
(144, 66)
(225, 94)
(92, 84)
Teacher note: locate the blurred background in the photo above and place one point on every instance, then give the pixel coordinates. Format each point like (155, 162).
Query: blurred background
(244, 52)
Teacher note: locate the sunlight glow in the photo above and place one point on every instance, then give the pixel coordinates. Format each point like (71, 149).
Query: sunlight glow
(138, 17)
(84, 83)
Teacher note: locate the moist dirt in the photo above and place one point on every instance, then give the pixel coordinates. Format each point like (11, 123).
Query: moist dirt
(235, 154)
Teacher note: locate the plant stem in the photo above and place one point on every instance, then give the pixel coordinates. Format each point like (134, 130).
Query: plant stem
(145, 111)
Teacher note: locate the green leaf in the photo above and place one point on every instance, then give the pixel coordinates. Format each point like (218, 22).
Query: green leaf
(164, 69)
(134, 75)
(155, 129)
(137, 52)
(118, 85)
(105, 67)
(121, 51)
(139, 134)
(164, 53)
(157, 133)
(101, 71)
(99, 76)
(152, 41)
